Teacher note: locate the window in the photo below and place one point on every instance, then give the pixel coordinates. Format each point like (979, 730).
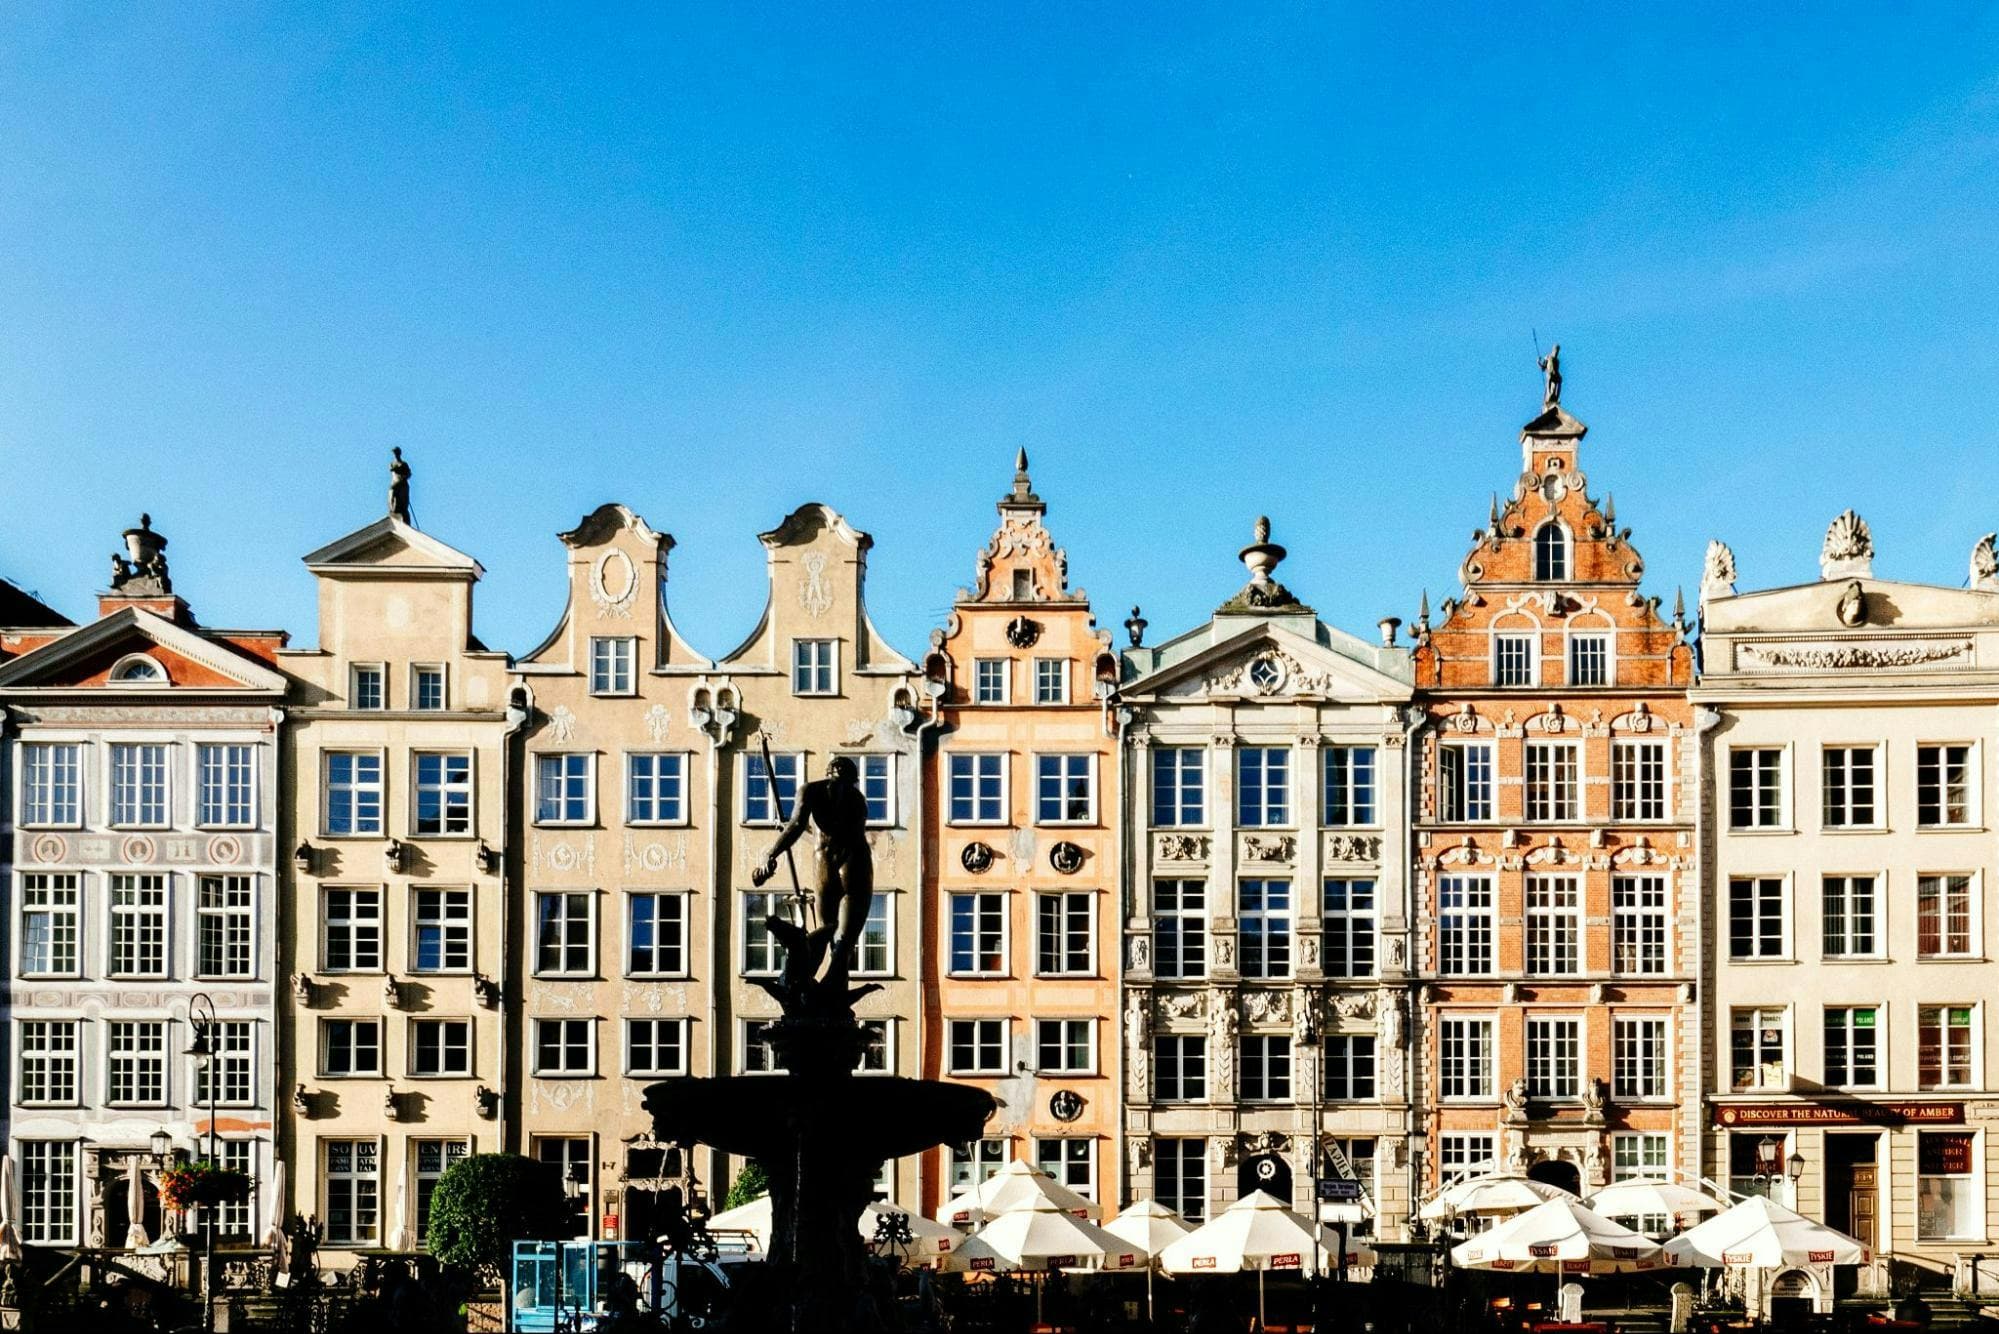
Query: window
(1756, 918)
(1943, 916)
(657, 940)
(1464, 925)
(564, 1047)
(1553, 792)
(655, 1046)
(563, 928)
(353, 941)
(1180, 1176)
(1069, 1161)
(978, 933)
(655, 789)
(562, 789)
(1638, 1058)
(813, 666)
(224, 907)
(1638, 780)
(1349, 775)
(1947, 1191)
(1460, 1156)
(427, 688)
(759, 1052)
(228, 797)
(1051, 680)
(1513, 660)
(1944, 1052)
(1349, 1066)
(1756, 788)
(978, 789)
(434, 1157)
(876, 951)
(51, 784)
(1263, 923)
(1465, 782)
(1179, 797)
(569, 1155)
(353, 793)
(350, 1047)
(1848, 913)
(443, 794)
(1551, 552)
(878, 787)
(758, 806)
(1638, 925)
(1749, 1171)
(1852, 1050)
(1349, 928)
(1179, 1068)
(232, 1064)
(1757, 1051)
(48, 1073)
(761, 956)
(1554, 925)
(443, 922)
(135, 1063)
(1266, 1068)
(877, 1056)
(989, 680)
(1464, 1057)
(440, 1047)
(611, 663)
(1589, 660)
(49, 927)
(1554, 1058)
(1063, 793)
(975, 1163)
(139, 785)
(233, 1216)
(1263, 785)
(353, 1191)
(977, 1046)
(1062, 945)
(1943, 786)
(1849, 786)
(1065, 1046)
(1179, 928)
(138, 926)
(368, 688)
(48, 1192)
(1643, 1156)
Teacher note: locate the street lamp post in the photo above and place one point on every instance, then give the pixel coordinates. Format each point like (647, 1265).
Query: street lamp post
(201, 1015)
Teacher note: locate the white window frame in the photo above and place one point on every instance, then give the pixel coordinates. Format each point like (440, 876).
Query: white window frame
(448, 924)
(136, 812)
(613, 666)
(1628, 1028)
(660, 896)
(562, 818)
(1759, 919)
(1257, 814)
(1848, 1027)
(655, 759)
(1557, 1069)
(1351, 930)
(418, 671)
(1531, 641)
(1607, 640)
(677, 1025)
(882, 914)
(1974, 1031)
(38, 894)
(1279, 929)
(1360, 1049)
(981, 909)
(49, 770)
(1564, 780)
(976, 761)
(1838, 816)
(1974, 796)
(1070, 1152)
(1629, 783)
(1170, 1067)
(237, 922)
(1188, 925)
(1974, 891)
(1877, 905)
(1004, 674)
(453, 794)
(1259, 1076)
(1169, 794)
(1476, 1038)
(1064, 902)
(565, 1045)
(884, 764)
(50, 1193)
(1455, 791)
(414, 1048)
(1066, 1029)
(1549, 920)
(361, 1185)
(155, 1037)
(1345, 758)
(326, 921)
(1185, 1191)
(757, 905)
(355, 673)
(357, 788)
(1051, 681)
(1065, 776)
(352, 1023)
(232, 1043)
(136, 916)
(57, 1044)
(229, 784)
(815, 667)
(1633, 921)
(980, 1044)
(752, 772)
(564, 946)
(1477, 926)
(1760, 1025)
(1778, 782)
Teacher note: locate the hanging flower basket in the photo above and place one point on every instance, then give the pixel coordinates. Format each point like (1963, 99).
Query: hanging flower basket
(202, 1183)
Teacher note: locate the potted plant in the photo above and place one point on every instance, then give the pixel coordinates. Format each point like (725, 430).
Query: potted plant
(202, 1183)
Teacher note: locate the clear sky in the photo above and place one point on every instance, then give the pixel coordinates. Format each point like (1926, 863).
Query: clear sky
(714, 261)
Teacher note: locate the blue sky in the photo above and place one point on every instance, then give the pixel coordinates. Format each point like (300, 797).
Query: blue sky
(1204, 263)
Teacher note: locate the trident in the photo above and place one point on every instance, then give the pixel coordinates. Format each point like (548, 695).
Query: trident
(798, 894)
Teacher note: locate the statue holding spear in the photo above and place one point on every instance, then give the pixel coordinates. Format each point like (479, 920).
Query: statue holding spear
(837, 811)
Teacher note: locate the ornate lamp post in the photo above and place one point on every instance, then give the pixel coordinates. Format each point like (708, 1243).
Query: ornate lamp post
(201, 1015)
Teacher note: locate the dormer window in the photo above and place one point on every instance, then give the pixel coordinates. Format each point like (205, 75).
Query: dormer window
(1023, 585)
(366, 688)
(1551, 553)
(138, 670)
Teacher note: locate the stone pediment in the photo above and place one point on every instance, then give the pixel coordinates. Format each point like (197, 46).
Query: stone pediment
(1272, 663)
(137, 651)
(390, 545)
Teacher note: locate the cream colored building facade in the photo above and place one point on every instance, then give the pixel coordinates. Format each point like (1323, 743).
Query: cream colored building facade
(396, 915)
(618, 912)
(1850, 732)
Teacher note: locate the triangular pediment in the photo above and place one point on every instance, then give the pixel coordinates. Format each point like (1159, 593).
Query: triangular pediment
(122, 644)
(1270, 661)
(1555, 423)
(392, 546)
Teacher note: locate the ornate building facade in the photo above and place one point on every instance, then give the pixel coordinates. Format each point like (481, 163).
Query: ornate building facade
(618, 799)
(396, 919)
(1265, 986)
(1020, 907)
(1555, 867)
(143, 897)
(1851, 740)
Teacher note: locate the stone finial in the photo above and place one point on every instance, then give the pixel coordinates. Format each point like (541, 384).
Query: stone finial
(1262, 556)
(1718, 572)
(1134, 627)
(1985, 564)
(142, 571)
(1679, 613)
(1022, 494)
(399, 486)
(1848, 552)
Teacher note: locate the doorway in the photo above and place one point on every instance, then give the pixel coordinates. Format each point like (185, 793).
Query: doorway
(1555, 1172)
(1853, 1196)
(1265, 1172)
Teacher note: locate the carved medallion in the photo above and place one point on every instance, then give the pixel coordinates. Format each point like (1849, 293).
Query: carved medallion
(225, 849)
(614, 580)
(1066, 858)
(976, 858)
(1266, 674)
(1066, 1105)
(50, 848)
(1022, 632)
(137, 849)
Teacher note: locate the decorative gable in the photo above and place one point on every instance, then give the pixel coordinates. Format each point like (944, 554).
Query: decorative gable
(138, 650)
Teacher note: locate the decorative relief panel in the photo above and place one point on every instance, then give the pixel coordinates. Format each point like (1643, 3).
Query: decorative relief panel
(655, 855)
(563, 854)
(1269, 847)
(1353, 847)
(1180, 847)
(1835, 656)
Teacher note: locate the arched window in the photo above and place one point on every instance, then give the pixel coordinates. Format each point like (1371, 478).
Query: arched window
(1551, 552)
(137, 669)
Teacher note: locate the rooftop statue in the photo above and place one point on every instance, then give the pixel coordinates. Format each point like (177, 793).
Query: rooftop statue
(1551, 365)
(399, 487)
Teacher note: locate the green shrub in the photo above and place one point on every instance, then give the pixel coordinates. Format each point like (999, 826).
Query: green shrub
(751, 1182)
(486, 1202)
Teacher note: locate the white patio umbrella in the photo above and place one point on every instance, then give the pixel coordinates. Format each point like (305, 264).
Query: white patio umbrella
(10, 1211)
(1150, 1226)
(1638, 1199)
(399, 1235)
(1041, 1237)
(1560, 1237)
(1256, 1232)
(274, 1221)
(1499, 1193)
(929, 1242)
(1009, 1188)
(135, 1205)
(1761, 1234)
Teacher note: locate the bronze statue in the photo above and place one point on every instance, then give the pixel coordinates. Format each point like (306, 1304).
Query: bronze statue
(1552, 366)
(838, 811)
(399, 486)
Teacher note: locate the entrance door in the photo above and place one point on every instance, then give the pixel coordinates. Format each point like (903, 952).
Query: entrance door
(1863, 1199)
(1852, 1196)
(1265, 1172)
(1554, 1172)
